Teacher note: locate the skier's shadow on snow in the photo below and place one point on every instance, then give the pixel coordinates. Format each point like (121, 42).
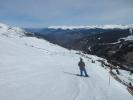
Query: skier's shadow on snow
(69, 73)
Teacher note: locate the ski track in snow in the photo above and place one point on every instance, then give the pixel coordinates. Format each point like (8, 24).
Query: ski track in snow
(33, 69)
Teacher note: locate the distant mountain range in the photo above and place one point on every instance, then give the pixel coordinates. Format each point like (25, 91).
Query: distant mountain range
(113, 26)
(113, 42)
(66, 35)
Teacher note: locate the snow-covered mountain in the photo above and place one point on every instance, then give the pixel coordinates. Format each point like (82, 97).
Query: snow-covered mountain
(114, 26)
(34, 69)
(11, 31)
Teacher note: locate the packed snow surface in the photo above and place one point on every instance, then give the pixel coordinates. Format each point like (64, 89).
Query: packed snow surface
(34, 69)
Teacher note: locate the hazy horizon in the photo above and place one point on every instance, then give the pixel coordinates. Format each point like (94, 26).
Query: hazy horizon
(45, 13)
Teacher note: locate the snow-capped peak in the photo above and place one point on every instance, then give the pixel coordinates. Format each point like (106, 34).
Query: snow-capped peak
(111, 26)
(3, 27)
(10, 31)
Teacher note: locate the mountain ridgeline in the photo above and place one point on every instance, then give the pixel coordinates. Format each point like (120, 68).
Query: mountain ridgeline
(110, 43)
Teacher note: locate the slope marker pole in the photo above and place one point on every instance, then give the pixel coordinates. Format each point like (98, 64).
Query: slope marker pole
(109, 80)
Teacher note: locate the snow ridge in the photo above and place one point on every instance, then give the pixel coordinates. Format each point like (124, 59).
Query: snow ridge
(11, 31)
(111, 26)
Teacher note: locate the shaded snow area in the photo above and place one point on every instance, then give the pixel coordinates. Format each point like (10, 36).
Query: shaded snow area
(34, 69)
(124, 76)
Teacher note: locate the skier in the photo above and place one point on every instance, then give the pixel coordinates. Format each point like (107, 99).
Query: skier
(81, 65)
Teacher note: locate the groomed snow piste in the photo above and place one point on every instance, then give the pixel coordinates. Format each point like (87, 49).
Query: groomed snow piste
(34, 69)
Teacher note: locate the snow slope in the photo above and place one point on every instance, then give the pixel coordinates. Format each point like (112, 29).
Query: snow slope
(11, 31)
(34, 69)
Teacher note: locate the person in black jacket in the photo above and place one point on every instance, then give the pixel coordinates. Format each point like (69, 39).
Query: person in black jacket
(81, 65)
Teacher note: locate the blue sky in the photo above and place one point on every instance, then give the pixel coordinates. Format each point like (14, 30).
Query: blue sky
(43, 13)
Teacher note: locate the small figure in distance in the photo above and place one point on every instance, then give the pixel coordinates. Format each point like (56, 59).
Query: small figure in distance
(81, 65)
